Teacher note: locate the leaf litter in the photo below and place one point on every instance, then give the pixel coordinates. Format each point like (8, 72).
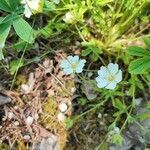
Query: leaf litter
(32, 120)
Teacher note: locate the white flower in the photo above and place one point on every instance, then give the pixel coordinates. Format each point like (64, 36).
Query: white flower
(109, 76)
(32, 7)
(68, 17)
(63, 107)
(72, 65)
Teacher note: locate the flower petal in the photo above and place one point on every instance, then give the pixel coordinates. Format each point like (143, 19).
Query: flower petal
(111, 85)
(113, 68)
(65, 64)
(103, 72)
(68, 71)
(101, 82)
(80, 66)
(118, 76)
(73, 59)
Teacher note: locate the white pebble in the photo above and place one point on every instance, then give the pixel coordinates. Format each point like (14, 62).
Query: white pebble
(99, 115)
(101, 123)
(73, 90)
(116, 130)
(16, 123)
(26, 137)
(36, 116)
(29, 120)
(138, 101)
(16, 107)
(63, 107)
(25, 88)
(10, 115)
(61, 117)
(4, 119)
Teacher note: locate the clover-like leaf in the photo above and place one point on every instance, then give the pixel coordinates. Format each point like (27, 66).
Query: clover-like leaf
(139, 66)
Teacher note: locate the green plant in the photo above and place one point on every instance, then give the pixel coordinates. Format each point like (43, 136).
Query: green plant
(14, 18)
(142, 63)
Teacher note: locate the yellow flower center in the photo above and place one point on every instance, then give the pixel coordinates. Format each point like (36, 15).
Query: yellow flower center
(111, 78)
(74, 65)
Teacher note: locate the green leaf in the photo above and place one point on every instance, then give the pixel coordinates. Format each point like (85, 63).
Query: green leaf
(82, 101)
(117, 139)
(86, 52)
(119, 105)
(137, 51)
(4, 33)
(8, 18)
(1, 54)
(49, 6)
(4, 6)
(143, 116)
(1, 19)
(69, 123)
(4, 27)
(24, 30)
(139, 66)
(94, 56)
(14, 65)
(147, 42)
(13, 4)
(20, 45)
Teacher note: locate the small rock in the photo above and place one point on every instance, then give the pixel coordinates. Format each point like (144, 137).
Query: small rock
(90, 74)
(50, 143)
(16, 123)
(36, 116)
(29, 120)
(4, 99)
(138, 101)
(16, 107)
(61, 117)
(89, 91)
(63, 107)
(4, 118)
(99, 115)
(10, 115)
(73, 90)
(101, 123)
(25, 88)
(116, 130)
(26, 137)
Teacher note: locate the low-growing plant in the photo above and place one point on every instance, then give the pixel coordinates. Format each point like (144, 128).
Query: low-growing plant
(142, 63)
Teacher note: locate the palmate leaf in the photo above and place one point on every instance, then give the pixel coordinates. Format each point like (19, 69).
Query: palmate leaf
(13, 4)
(5, 6)
(139, 66)
(137, 51)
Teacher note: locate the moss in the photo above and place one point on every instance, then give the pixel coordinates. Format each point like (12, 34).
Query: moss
(4, 146)
(50, 121)
(66, 91)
